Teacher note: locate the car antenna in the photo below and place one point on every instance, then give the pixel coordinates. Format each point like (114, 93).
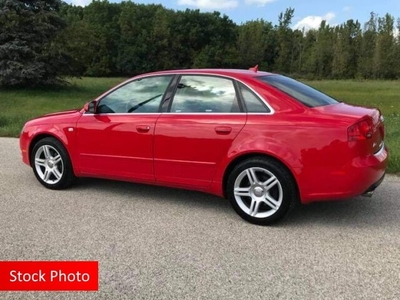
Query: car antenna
(254, 69)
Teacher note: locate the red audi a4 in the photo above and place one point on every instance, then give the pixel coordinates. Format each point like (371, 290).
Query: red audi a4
(262, 140)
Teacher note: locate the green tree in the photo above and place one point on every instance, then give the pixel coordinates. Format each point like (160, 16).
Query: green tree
(135, 48)
(284, 61)
(348, 39)
(297, 52)
(218, 49)
(368, 45)
(397, 48)
(101, 18)
(251, 43)
(385, 59)
(318, 52)
(127, 38)
(28, 54)
(307, 57)
(324, 50)
(202, 39)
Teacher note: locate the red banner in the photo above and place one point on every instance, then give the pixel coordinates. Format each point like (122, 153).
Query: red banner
(49, 275)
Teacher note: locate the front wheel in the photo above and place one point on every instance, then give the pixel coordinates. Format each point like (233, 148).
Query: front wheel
(261, 190)
(51, 164)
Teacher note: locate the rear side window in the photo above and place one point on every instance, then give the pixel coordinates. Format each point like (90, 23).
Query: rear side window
(299, 91)
(252, 102)
(205, 94)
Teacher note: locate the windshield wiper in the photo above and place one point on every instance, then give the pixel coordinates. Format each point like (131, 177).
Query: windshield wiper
(142, 103)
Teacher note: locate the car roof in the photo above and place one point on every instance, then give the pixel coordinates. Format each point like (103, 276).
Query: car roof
(224, 72)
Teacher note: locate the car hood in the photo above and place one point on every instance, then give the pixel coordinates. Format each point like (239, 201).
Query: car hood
(61, 113)
(66, 116)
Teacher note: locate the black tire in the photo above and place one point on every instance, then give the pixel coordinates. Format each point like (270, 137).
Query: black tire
(265, 167)
(67, 177)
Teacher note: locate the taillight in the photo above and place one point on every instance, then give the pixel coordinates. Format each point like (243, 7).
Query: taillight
(360, 131)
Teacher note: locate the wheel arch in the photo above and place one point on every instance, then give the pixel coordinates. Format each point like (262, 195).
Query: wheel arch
(41, 136)
(237, 160)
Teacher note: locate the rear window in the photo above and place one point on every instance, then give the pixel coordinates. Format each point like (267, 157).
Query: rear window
(299, 91)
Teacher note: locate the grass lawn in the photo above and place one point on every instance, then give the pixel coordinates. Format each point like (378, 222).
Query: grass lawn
(21, 105)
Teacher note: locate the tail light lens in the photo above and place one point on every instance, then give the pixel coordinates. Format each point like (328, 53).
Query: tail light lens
(360, 131)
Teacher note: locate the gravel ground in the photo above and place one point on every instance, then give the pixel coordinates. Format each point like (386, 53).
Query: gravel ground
(160, 243)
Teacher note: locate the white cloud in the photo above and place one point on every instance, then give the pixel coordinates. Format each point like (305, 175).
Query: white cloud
(80, 2)
(313, 22)
(210, 4)
(259, 2)
(347, 8)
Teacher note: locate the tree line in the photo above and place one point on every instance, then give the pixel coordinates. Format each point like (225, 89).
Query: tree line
(40, 41)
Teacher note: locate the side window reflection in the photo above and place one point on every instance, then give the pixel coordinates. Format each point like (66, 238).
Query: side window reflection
(205, 94)
(139, 96)
(252, 102)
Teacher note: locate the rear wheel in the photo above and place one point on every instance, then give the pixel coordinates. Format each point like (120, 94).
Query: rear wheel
(261, 190)
(51, 164)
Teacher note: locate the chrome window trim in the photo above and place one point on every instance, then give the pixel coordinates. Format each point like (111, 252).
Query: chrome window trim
(178, 114)
(121, 114)
(271, 112)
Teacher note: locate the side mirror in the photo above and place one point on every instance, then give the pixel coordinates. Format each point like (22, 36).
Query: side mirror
(90, 107)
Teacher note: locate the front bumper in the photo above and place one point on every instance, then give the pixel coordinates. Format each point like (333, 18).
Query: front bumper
(24, 147)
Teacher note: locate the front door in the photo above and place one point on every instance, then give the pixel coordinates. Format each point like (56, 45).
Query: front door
(189, 141)
(117, 141)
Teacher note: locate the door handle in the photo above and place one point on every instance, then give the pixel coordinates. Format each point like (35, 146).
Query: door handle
(223, 129)
(143, 128)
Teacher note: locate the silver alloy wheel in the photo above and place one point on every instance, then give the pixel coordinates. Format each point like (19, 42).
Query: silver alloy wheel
(48, 164)
(258, 192)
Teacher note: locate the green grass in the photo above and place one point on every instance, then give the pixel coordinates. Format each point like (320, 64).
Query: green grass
(18, 106)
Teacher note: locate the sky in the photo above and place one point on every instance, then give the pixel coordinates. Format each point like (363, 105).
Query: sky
(308, 13)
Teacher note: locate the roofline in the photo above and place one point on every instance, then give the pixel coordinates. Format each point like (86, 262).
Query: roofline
(229, 72)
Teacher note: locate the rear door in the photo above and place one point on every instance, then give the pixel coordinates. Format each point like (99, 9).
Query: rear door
(204, 118)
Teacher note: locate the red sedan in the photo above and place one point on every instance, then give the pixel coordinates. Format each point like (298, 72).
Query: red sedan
(262, 140)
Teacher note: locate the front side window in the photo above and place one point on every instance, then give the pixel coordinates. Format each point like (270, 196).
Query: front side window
(139, 96)
(299, 91)
(205, 94)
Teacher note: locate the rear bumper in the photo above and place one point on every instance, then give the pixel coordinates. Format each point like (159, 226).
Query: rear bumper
(362, 175)
(372, 188)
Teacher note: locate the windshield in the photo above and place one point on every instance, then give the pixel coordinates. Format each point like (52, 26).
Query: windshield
(299, 91)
